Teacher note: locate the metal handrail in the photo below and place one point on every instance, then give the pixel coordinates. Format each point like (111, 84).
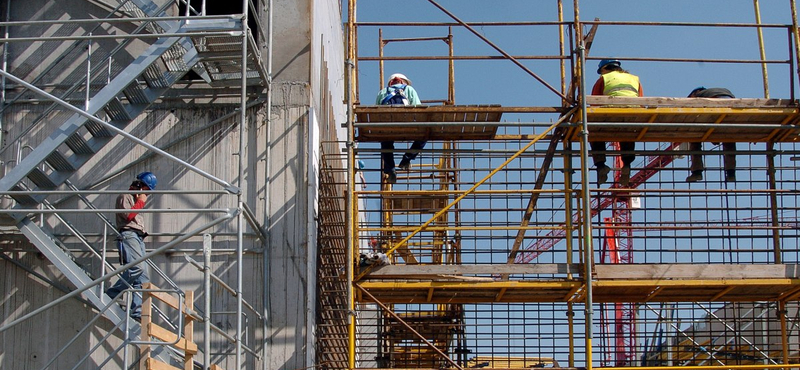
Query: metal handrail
(222, 284)
(86, 327)
(231, 214)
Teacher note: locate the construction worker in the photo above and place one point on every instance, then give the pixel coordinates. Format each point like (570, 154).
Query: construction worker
(729, 159)
(131, 240)
(614, 81)
(398, 91)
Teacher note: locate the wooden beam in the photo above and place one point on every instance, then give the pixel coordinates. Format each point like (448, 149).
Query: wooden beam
(500, 295)
(651, 101)
(705, 271)
(654, 293)
(722, 293)
(165, 335)
(153, 364)
(457, 272)
(190, 348)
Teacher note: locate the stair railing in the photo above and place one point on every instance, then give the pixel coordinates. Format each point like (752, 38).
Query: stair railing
(81, 83)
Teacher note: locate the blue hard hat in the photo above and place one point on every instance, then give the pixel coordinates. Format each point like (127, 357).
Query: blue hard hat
(148, 179)
(697, 90)
(605, 62)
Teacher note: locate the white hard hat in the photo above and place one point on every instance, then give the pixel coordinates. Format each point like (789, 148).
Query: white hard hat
(400, 76)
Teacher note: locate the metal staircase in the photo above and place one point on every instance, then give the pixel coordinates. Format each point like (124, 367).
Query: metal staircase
(74, 143)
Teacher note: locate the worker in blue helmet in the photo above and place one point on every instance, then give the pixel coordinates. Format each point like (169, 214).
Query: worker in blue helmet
(729, 158)
(130, 242)
(614, 81)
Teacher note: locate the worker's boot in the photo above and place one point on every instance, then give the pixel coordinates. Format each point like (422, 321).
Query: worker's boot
(625, 175)
(602, 174)
(391, 177)
(730, 176)
(695, 176)
(405, 164)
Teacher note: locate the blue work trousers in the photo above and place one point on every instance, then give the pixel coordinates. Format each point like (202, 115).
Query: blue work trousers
(131, 248)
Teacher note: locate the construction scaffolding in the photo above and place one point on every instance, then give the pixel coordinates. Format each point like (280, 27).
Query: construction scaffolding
(98, 105)
(505, 253)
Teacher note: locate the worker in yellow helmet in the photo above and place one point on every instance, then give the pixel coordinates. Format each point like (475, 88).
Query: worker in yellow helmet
(614, 81)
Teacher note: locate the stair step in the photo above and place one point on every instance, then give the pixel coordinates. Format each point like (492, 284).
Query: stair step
(41, 179)
(24, 199)
(117, 110)
(79, 145)
(98, 130)
(155, 78)
(136, 94)
(60, 162)
(173, 59)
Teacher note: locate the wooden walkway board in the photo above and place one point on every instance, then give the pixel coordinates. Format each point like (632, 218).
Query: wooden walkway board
(417, 203)
(611, 283)
(375, 122)
(654, 119)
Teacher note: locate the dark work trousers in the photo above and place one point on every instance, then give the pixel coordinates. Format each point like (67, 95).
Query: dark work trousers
(387, 153)
(599, 146)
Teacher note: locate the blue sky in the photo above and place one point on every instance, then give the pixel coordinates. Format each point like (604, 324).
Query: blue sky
(658, 78)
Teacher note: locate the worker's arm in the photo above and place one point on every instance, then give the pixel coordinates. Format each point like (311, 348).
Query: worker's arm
(413, 98)
(641, 93)
(140, 201)
(598, 87)
(379, 98)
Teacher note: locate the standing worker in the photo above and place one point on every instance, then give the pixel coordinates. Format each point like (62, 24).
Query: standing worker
(398, 92)
(131, 241)
(614, 81)
(697, 166)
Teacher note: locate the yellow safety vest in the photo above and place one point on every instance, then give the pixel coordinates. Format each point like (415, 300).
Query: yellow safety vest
(620, 84)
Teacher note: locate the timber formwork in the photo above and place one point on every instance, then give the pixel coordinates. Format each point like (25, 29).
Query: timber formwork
(505, 252)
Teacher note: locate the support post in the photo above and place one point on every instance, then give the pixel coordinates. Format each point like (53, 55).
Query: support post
(206, 301)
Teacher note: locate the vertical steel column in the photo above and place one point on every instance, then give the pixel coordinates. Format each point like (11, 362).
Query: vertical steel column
(761, 51)
(240, 194)
(451, 80)
(206, 301)
(350, 249)
(773, 203)
(268, 181)
(587, 212)
(562, 62)
(568, 239)
(3, 78)
(784, 332)
(88, 73)
(381, 43)
(795, 33)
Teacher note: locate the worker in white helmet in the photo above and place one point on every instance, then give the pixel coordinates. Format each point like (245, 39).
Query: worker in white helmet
(398, 91)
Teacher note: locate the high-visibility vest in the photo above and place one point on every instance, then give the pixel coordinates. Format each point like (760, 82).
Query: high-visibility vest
(620, 84)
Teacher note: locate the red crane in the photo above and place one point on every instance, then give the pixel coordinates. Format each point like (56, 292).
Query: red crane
(601, 202)
(618, 249)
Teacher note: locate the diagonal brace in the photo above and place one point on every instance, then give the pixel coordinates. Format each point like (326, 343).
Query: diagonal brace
(394, 315)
